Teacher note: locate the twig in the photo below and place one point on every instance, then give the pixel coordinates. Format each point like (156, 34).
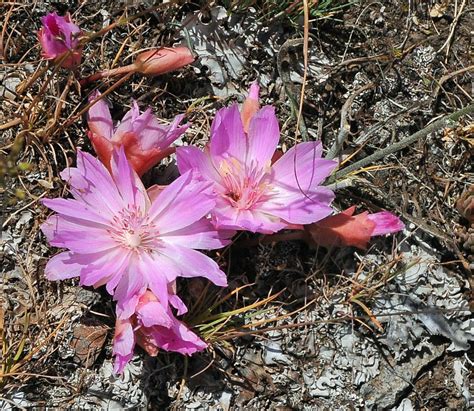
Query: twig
(299, 118)
(446, 77)
(344, 125)
(10, 123)
(2, 35)
(88, 106)
(454, 24)
(443, 122)
(285, 77)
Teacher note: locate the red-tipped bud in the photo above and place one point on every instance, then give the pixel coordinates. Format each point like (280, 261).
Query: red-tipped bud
(346, 229)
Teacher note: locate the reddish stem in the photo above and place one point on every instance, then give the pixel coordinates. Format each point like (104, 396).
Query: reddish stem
(108, 73)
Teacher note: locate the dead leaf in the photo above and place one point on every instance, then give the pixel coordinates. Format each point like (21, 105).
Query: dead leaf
(438, 10)
(87, 343)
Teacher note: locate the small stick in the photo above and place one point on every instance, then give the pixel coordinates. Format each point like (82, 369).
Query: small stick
(10, 123)
(344, 127)
(454, 24)
(88, 106)
(447, 77)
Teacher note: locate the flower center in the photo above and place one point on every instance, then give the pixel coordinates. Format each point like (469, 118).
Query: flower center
(243, 186)
(133, 231)
(132, 239)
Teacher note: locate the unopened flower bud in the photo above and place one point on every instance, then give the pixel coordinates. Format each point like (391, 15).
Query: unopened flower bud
(163, 60)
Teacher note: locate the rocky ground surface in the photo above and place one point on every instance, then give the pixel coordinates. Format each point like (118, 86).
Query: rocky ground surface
(386, 328)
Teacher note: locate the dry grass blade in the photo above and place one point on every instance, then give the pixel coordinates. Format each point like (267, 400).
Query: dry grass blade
(212, 323)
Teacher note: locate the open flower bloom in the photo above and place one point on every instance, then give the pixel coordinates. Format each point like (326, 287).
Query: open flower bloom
(59, 35)
(152, 326)
(251, 193)
(346, 229)
(145, 141)
(117, 236)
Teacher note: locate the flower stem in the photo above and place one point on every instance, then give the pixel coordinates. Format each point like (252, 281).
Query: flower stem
(108, 73)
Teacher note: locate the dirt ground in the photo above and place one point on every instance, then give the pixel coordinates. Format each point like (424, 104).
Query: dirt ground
(385, 328)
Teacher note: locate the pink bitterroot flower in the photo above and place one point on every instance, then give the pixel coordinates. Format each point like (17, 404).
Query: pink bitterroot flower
(145, 141)
(153, 326)
(252, 193)
(58, 36)
(117, 236)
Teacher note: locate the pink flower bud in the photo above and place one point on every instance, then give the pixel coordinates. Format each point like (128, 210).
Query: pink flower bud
(163, 60)
(58, 36)
(346, 229)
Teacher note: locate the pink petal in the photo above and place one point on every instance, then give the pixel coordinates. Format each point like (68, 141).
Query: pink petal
(131, 188)
(175, 130)
(153, 313)
(200, 235)
(76, 209)
(302, 167)
(126, 125)
(121, 361)
(182, 203)
(193, 159)
(227, 135)
(124, 343)
(62, 266)
(144, 121)
(155, 269)
(77, 235)
(58, 36)
(155, 135)
(163, 271)
(130, 288)
(99, 119)
(227, 217)
(110, 266)
(51, 48)
(179, 339)
(263, 135)
(297, 208)
(192, 263)
(251, 105)
(85, 191)
(178, 303)
(102, 187)
(385, 223)
(68, 30)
